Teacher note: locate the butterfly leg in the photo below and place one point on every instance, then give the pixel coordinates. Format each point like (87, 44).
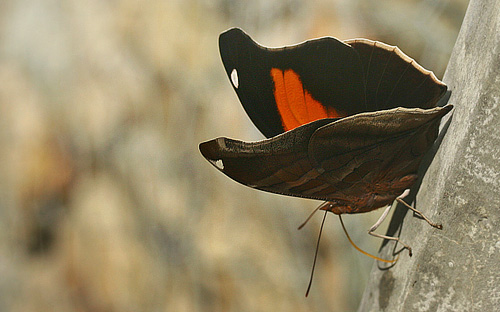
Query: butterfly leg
(400, 200)
(371, 231)
(436, 225)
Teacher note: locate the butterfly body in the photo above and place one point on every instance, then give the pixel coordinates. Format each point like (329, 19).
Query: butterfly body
(347, 122)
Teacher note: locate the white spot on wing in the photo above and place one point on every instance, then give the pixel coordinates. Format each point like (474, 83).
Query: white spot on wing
(219, 164)
(234, 78)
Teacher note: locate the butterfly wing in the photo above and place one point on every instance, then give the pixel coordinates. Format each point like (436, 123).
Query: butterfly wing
(361, 162)
(283, 88)
(371, 158)
(264, 164)
(393, 79)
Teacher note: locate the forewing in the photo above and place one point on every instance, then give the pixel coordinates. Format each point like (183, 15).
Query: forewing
(273, 165)
(248, 68)
(373, 152)
(323, 74)
(360, 162)
(393, 79)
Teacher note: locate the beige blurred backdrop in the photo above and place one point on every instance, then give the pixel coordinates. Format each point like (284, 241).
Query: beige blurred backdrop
(105, 201)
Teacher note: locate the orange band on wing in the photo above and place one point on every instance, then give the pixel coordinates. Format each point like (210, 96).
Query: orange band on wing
(295, 105)
(280, 95)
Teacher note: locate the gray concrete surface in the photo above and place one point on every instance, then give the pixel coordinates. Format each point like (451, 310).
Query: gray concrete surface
(457, 268)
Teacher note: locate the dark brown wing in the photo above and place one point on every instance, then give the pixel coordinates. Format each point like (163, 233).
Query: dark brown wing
(327, 68)
(393, 79)
(341, 78)
(267, 162)
(369, 159)
(349, 161)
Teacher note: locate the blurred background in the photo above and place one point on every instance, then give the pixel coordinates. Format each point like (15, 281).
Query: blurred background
(105, 201)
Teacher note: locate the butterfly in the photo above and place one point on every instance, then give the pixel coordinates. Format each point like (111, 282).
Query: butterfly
(347, 122)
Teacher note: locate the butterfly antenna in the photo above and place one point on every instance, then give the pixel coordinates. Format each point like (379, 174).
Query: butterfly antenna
(361, 250)
(312, 213)
(316, 252)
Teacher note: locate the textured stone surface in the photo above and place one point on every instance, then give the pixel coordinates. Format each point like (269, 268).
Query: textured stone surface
(455, 269)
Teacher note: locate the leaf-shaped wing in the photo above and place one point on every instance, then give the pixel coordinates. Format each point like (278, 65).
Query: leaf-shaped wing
(359, 163)
(370, 158)
(268, 165)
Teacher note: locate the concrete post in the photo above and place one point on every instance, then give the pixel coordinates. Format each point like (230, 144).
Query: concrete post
(457, 268)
